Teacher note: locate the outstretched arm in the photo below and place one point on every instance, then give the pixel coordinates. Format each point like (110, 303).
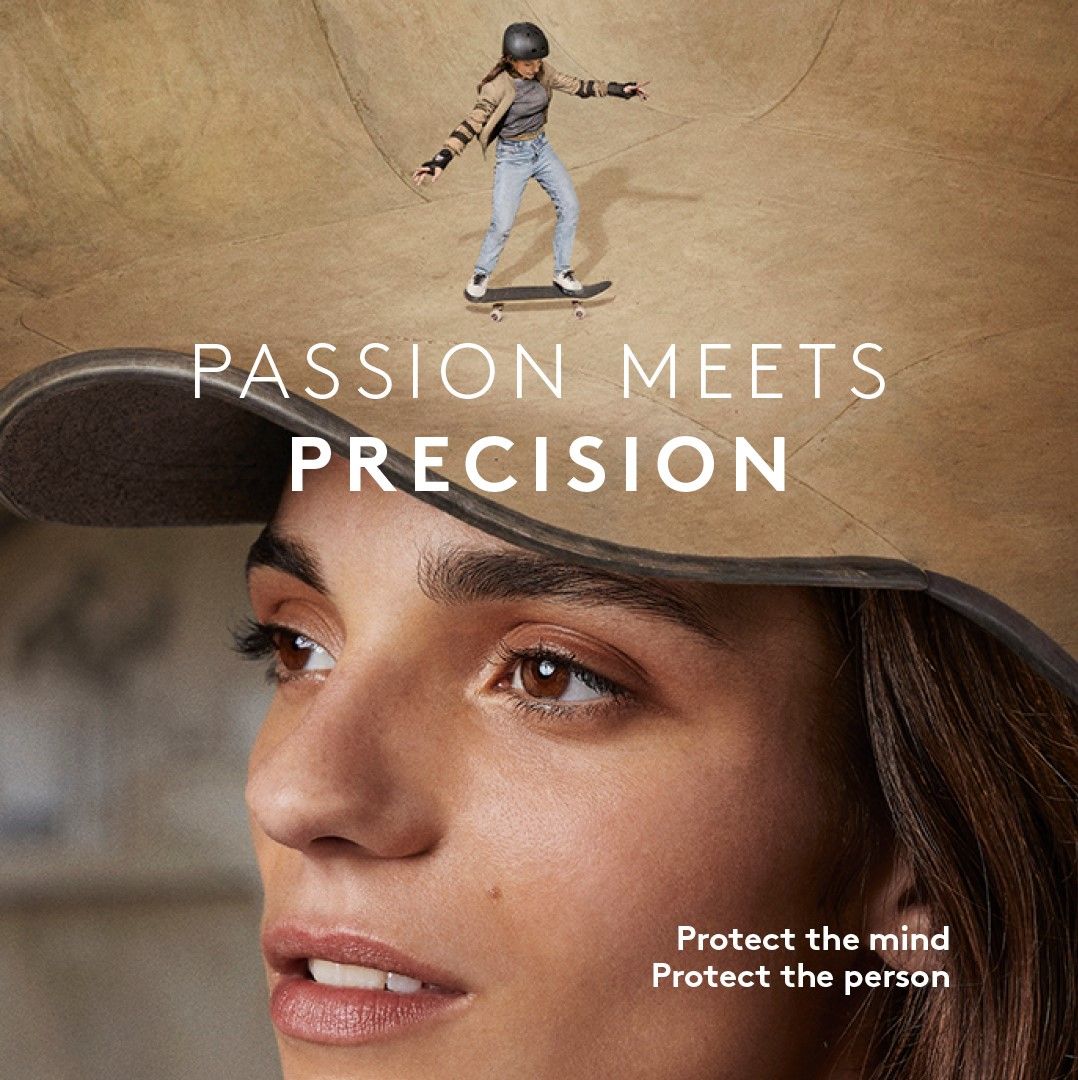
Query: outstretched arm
(586, 88)
(461, 135)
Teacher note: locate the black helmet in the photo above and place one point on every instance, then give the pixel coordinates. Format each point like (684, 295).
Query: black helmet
(524, 41)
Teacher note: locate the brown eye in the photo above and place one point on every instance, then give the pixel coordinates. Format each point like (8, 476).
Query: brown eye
(550, 679)
(296, 652)
(543, 677)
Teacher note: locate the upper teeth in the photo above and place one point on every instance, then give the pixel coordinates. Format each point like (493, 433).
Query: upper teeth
(361, 978)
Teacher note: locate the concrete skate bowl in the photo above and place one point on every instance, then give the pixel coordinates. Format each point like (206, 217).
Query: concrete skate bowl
(836, 170)
(130, 129)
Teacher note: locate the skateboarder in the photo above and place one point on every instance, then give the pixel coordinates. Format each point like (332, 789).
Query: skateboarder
(514, 98)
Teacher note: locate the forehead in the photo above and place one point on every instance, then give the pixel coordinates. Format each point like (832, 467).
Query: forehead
(328, 516)
(357, 541)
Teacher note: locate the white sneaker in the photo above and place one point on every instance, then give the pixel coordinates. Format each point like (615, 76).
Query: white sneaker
(477, 287)
(566, 281)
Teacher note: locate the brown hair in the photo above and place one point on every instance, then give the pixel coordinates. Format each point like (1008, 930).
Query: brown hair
(504, 64)
(976, 762)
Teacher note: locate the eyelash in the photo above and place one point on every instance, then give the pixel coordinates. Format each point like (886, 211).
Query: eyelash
(510, 658)
(255, 640)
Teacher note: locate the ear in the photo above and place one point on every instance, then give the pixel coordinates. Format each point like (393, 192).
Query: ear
(894, 912)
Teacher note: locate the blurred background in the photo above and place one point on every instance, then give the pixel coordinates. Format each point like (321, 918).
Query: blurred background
(129, 900)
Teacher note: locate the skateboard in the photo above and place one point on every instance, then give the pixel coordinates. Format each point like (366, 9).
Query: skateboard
(498, 298)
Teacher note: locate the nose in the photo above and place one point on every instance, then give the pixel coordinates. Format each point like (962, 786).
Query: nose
(349, 774)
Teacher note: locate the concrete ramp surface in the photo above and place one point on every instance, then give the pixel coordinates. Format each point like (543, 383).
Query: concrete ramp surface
(133, 127)
(826, 170)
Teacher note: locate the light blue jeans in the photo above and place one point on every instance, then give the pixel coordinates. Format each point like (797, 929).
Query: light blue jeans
(515, 163)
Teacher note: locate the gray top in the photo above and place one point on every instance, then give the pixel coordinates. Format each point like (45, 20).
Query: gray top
(528, 111)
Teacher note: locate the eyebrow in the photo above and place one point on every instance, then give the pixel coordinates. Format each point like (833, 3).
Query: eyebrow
(452, 576)
(278, 552)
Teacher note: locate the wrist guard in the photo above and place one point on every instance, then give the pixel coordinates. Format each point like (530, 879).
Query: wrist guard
(617, 89)
(439, 161)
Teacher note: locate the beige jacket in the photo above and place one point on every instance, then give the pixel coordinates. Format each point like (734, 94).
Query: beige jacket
(496, 96)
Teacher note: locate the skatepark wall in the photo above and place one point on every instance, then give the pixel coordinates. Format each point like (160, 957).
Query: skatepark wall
(132, 128)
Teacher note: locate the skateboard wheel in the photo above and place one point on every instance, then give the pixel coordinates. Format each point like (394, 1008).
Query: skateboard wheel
(578, 311)
(497, 315)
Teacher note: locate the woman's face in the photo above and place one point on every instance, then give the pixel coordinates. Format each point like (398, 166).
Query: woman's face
(507, 780)
(527, 69)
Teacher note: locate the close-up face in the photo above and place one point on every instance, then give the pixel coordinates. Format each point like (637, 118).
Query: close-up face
(492, 785)
(527, 69)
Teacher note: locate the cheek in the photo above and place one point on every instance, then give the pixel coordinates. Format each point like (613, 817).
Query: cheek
(636, 852)
(610, 858)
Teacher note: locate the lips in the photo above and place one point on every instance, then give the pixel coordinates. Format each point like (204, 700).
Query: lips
(341, 989)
